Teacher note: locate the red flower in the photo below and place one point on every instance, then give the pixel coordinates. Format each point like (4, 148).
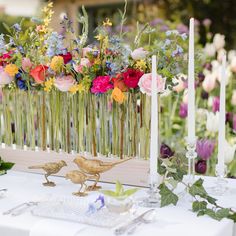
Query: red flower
(131, 77)
(5, 57)
(67, 57)
(101, 84)
(38, 73)
(119, 83)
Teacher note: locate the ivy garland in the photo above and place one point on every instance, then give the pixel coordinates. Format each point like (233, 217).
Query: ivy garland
(173, 171)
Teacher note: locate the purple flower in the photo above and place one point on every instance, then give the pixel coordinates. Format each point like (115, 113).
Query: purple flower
(156, 21)
(166, 151)
(216, 104)
(208, 66)
(205, 148)
(201, 167)
(229, 117)
(183, 110)
(201, 76)
(234, 123)
(206, 22)
(182, 28)
(204, 95)
(164, 28)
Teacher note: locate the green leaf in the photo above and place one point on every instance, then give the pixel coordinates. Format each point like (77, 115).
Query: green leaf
(201, 213)
(211, 200)
(109, 193)
(197, 189)
(130, 192)
(211, 213)
(6, 27)
(232, 217)
(167, 196)
(178, 176)
(222, 213)
(199, 206)
(6, 165)
(172, 182)
(3, 172)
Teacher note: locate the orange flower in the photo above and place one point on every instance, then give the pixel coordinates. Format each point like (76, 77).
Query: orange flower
(119, 83)
(38, 73)
(118, 95)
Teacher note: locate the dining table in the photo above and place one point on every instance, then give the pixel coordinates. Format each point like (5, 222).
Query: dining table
(171, 220)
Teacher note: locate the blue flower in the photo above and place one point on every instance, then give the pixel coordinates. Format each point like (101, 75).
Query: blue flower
(18, 76)
(21, 84)
(184, 36)
(16, 27)
(3, 46)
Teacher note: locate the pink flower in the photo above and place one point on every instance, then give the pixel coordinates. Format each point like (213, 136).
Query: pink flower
(84, 62)
(233, 99)
(139, 54)
(179, 82)
(85, 51)
(64, 83)
(26, 64)
(5, 78)
(216, 104)
(145, 84)
(209, 83)
(101, 84)
(234, 123)
(185, 96)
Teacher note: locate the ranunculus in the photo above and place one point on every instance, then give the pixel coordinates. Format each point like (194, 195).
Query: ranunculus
(229, 151)
(39, 73)
(216, 104)
(145, 84)
(132, 77)
(166, 151)
(233, 65)
(219, 41)
(101, 84)
(119, 83)
(26, 64)
(201, 167)
(5, 57)
(183, 110)
(84, 62)
(209, 82)
(66, 57)
(139, 54)
(210, 50)
(5, 78)
(64, 83)
(212, 123)
(205, 148)
(118, 95)
(233, 99)
(85, 51)
(179, 82)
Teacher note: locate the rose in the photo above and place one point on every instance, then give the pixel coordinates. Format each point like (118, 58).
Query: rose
(145, 84)
(212, 124)
(39, 73)
(118, 95)
(209, 82)
(219, 41)
(86, 51)
(26, 64)
(5, 57)
(166, 151)
(101, 84)
(132, 77)
(64, 83)
(5, 78)
(119, 83)
(210, 50)
(201, 167)
(139, 54)
(84, 62)
(66, 57)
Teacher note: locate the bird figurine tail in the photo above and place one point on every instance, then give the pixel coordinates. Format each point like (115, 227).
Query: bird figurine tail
(122, 161)
(36, 167)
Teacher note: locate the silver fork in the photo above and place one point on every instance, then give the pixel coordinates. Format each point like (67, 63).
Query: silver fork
(133, 229)
(19, 207)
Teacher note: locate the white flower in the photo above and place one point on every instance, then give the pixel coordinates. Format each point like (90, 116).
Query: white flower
(219, 41)
(178, 81)
(229, 152)
(185, 96)
(212, 124)
(220, 54)
(201, 114)
(209, 82)
(233, 64)
(233, 99)
(210, 50)
(231, 55)
(228, 74)
(210, 101)
(139, 54)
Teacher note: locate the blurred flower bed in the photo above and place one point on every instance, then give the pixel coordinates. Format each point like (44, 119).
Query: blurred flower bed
(60, 93)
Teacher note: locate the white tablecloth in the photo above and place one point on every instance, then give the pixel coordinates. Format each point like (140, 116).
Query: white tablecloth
(178, 221)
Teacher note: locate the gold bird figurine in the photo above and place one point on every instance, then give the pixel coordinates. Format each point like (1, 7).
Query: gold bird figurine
(78, 177)
(95, 167)
(50, 168)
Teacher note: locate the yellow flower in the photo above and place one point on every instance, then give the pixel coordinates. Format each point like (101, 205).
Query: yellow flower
(118, 95)
(46, 21)
(57, 63)
(76, 88)
(80, 88)
(11, 69)
(107, 22)
(99, 37)
(141, 65)
(97, 61)
(48, 84)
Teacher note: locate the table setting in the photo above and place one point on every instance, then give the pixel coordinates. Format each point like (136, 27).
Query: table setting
(94, 108)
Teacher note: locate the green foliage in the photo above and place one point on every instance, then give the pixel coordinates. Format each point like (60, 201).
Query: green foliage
(5, 166)
(120, 192)
(167, 196)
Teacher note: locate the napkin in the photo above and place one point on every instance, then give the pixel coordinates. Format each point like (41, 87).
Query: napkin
(50, 227)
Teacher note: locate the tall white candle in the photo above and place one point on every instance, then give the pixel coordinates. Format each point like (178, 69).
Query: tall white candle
(221, 134)
(191, 85)
(154, 125)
